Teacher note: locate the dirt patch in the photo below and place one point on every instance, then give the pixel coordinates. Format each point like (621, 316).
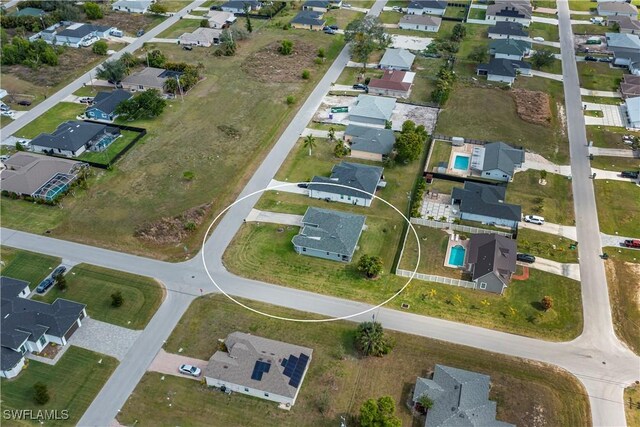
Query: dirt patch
(635, 270)
(171, 230)
(268, 65)
(130, 23)
(532, 106)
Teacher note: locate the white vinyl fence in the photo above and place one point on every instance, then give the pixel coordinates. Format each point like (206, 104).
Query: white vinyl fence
(436, 279)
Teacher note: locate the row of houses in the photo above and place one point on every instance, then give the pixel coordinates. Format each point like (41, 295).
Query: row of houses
(73, 34)
(626, 50)
(510, 45)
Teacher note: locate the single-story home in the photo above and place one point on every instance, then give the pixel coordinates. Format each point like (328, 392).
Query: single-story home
(491, 260)
(510, 49)
(485, 203)
(510, 11)
(459, 397)
(397, 59)
(615, 8)
(75, 34)
(240, 5)
(496, 161)
(351, 183)
(148, 78)
(427, 7)
(29, 11)
(630, 86)
(317, 5)
(259, 367)
(633, 111)
(132, 6)
(372, 110)
(508, 30)
(201, 36)
(105, 104)
(625, 48)
(625, 24)
(328, 234)
(29, 325)
(74, 137)
(219, 19)
(420, 23)
(393, 83)
(38, 176)
(503, 70)
(369, 143)
(309, 20)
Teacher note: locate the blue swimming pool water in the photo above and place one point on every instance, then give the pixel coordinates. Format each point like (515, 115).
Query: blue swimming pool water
(456, 256)
(461, 163)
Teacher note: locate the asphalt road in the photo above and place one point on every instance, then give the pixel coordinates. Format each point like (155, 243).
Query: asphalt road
(54, 99)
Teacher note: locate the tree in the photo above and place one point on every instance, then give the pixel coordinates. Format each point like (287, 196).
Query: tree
(340, 150)
(148, 104)
(93, 10)
(291, 100)
(310, 143)
(286, 47)
(204, 23)
(116, 299)
(158, 8)
(458, 33)
(370, 265)
(129, 60)
(40, 393)
(547, 302)
(410, 141)
(247, 24)
(61, 282)
(365, 35)
(67, 11)
(371, 340)
(425, 401)
(542, 58)
(332, 134)
(228, 43)
(306, 74)
(156, 58)
(100, 47)
(113, 71)
(478, 54)
(171, 86)
(379, 413)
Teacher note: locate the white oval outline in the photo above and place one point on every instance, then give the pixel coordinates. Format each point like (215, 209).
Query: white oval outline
(330, 319)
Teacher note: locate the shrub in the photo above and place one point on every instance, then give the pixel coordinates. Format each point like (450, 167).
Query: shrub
(546, 302)
(100, 47)
(286, 47)
(116, 299)
(306, 74)
(291, 100)
(61, 282)
(204, 23)
(40, 393)
(93, 10)
(188, 175)
(370, 265)
(317, 61)
(158, 8)
(321, 53)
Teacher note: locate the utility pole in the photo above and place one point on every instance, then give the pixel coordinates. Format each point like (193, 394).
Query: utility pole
(180, 88)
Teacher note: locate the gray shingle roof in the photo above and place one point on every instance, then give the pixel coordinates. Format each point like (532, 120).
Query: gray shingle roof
(492, 253)
(330, 231)
(241, 4)
(623, 40)
(244, 350)
(72, 135)
(510, 46)
(82, 30)
(487, 200)
(375, 107)
(397, 58)
(428, 4)
(371, 140)
(361, 180)
(510, 9)
(617, 7)
(317, 3)
(498, 155)
(504, 67)
(508, 28)
(460, 398)
(309, 17)
(108, 101)
(148, 77)
(429, 20)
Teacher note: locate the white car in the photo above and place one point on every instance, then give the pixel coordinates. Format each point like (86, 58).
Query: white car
(534, 219)
(9, 113)
(189, 370)
(89, 42)
(538, 39)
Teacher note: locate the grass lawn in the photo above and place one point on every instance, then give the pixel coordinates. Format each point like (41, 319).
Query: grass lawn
(542, 244)
(49, 121)
(73, 383)
(25, 265)
(476, 38)
(579, 17)
(632, 400)
(555, 198)
(350, 75)
(618, 207)
(93, 286)
(581, 5)
(390, 17)
(425, 81)
(623, 269)
(106, 157)
(440, 152)
(599, 76)
(602, 100)
(338, 380)
(549, 4)
(173, 5)
(443, 186)
(90, 90)
(590, 29)
(554, 67)
(5, 121)
(608, 137)
(547, 31)
(341, 17)
(594, 113)
(179, 28)
(618, 164)
(455, 12)
(477, 13)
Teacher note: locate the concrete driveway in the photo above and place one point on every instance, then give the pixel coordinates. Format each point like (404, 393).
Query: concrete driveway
(613, 152)
(410, 42)
(602, 93)
(168, 363)
(551, 76)
(572, 271)
(567, 231)
(612, 114)
(274, 218)
(291, 188)
(105, 338)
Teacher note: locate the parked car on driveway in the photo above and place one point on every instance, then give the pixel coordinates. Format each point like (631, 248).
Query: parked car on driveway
(630, 174)
(591, 58)
(140, 33)
(604, 59)
(360, 86)
(44, 285)
(328, 30)
(534, 219)
(59, 271)
(189, 370)
(86, 100)
(631, 243)
(24, 102)
(528, 258)
(334, 27)
(8, 113)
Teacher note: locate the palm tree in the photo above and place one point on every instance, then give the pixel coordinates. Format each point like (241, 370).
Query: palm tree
(332, 134)
(310, 143)
(370, 339)
(113, 71)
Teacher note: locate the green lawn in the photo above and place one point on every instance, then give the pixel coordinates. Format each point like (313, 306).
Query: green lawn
(49, 121)
(555, 198)
(338, 381)
(546, 245)
(590, 29)
(615, 163)
(618, 207)
(350, 75)
(476, 38)
(550, 4)
(179, 28)
(106, 157)
(341, 17)
(602, 100)
(547, 31)
(455, 12)
(579, 17)
(93, 286)
(477, 13)
(28, 266)
(89, 91)
(555, 67)
(390, 17)
(599, 76)
(608, 137)
(440, 152)
(581, 5)
(632, 400)
(424, 83)
(73, 383)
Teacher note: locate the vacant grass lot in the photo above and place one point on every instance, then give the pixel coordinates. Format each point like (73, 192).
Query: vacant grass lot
(615, 163)
(106, 157)
(390, 17)
(608, 136)
(49, 121)
(542, 244)
(599, 76)
(581, 6)
(179, 28)
(632, 399)
(623, 269)
(590, 29)
(476, 38)
(618, 207)
(222, 149)
(25, 265)
(93, 286)
(338, 381)
(353, 75)
(554, 200)
(73, 384)
(425, 81)
(547, 31)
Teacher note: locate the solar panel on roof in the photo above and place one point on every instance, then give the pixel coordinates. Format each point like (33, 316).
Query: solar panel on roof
(258, 369)
(298, 371)
(291, 365)
(284, 362)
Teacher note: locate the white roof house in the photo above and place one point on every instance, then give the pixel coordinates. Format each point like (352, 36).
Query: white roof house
(397, 59)
(633, 111)
(201, 37)
(132, 6)
(218, 18)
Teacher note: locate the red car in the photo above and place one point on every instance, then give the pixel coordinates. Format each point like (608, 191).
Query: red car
(631, 243)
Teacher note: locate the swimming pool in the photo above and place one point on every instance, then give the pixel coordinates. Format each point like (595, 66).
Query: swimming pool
(456, 256)
(461, 163)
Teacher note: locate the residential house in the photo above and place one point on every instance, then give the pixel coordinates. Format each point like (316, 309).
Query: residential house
(491, 260)
(503, 70)
(510, 11)
(369, 143)
(105, 103)
(132, 6)
(219, 19)
(510, 49)
(625, 24)
(508, 30)
(397, 59)
(38, 176)
(259, 367)
(72, 138)
(29, 11)
(632, 106)
(201, 36)
(328, 234)
(427, 7)
(420, 23)
(75, 35)
(309, 20)
(485, 203)
(239, 6)
(615, 8)
(496, 161)
(148, 78)
(625, 48)
(372, 110)
(351, 183)
(392, 83)
(29, 325)
(630, 86)
(460, 398)
(317, 5)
